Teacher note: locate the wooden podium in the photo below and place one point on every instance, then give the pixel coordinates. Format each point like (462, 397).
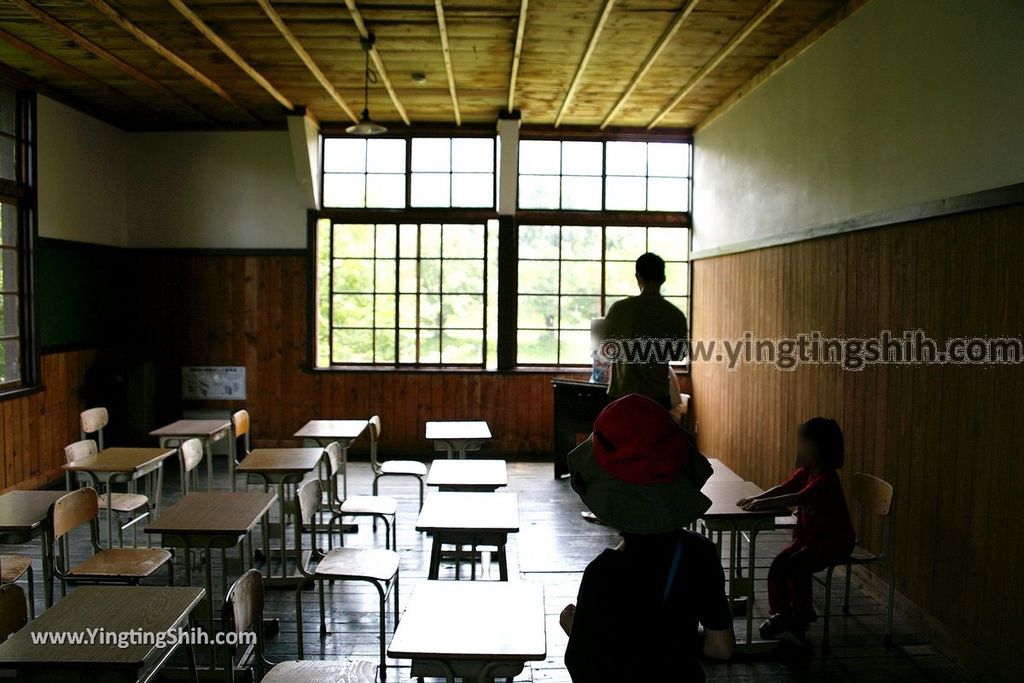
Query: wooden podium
(577, 403)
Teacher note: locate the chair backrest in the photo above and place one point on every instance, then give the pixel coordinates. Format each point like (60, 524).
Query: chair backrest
(873, 496)
(72, 510)
(333, 452)
(79, 450)
(93, 421)
(240, 423)
(242, 612)
(13, 610)
(374, 428)
(191, 456)
(308, 502)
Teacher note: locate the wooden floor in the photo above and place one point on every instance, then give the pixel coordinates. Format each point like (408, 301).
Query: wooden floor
(553, 547)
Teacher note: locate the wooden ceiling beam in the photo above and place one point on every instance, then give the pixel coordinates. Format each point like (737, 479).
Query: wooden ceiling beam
(785, 59)
(442, 28)
(595, 37)
(378, 63)
(517, 52)
(306, 58)
(230, 52)
(162, 50)
(77, 38)
(717, 59)
(652, 57)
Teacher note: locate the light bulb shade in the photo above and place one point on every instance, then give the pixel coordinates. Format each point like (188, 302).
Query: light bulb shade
(366, 126)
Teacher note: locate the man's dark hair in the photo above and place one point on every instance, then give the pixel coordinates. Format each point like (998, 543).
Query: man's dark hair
(651, 268)
(827, 437)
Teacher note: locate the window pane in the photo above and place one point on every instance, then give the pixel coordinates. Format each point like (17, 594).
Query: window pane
(344, 190)
(626, 158)
(538, 241)
(670, 243)
(473, 189)
(464, 241)
(538, 192)
(668, 159)
(353, 275)
(407, 311)
(533, 346)
(431, 154)
(620, 280)
(581, 242)
(471, 155)
(384, 343)
(582, 158)
(462, 346)
(385, 156)
(10, 361)
(353, 310)
(386, 241)
(430, 240)
(385, 190)
(353, 240)
(353, 346)
(666, 194)
(625, 194)
(430, 310)
(463, 310)
(8, 113)
(581, 277)
(463, 277)
(538, 312)
(578, 311)
(408, 276)
(535, 277)
(581, 193)
(408, 240)
(677, 279)
(430, 346)
(384, 312)
(430, 275)
(8, 159)
(8, 225)
(574, 347)
(385, 276)
(344, 155)
(431, 189)
(539, 156)
(408, 346)
(9, 270)
(624, 243)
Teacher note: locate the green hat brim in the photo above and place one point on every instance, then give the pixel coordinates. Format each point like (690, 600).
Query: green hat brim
(639, 508)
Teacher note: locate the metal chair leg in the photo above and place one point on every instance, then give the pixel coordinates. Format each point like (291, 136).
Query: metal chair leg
(323, 611)
(892, 597)
(31, 593)
(828, 605)
(298, 620)
(846, 596)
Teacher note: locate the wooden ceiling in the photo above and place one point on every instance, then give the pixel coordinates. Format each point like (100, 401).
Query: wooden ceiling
(172, 64)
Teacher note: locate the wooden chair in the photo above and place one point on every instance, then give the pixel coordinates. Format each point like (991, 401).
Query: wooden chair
(191, 455)
(12, 568)
(872, 496)
(105, 565)
(383, 508)
(243, 612)
(12, 610)
(92, 421)
(374, 566)
(392, 468)
(134, 506)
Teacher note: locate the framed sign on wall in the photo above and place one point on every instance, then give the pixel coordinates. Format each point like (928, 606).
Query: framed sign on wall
(213, 383)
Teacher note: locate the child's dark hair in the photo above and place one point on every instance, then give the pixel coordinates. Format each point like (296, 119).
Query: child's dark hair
(651, 268)
(827, 437)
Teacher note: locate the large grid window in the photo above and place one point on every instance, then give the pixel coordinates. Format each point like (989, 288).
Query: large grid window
(614, 175)
(17, 207)
(404, 294)
(364, 173)
(571, 274)
(452, 172)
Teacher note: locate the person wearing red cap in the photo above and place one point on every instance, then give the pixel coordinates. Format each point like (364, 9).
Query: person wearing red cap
(641, 605)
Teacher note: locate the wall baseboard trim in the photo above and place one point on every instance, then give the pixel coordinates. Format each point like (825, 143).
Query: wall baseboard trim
(974, 201)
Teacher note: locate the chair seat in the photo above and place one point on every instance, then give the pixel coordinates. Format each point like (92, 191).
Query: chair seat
(411, 467)
(369, 505)
(308, 671)
(862, 556)
(785, 522)
(126, 562)
(124, 502)
(13, 566)
(359, 563)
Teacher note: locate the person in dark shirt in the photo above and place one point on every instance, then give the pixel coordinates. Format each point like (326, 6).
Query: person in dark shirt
(823, 535)
(641, 606)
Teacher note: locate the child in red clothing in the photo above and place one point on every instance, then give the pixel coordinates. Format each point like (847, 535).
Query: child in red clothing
(823, 535)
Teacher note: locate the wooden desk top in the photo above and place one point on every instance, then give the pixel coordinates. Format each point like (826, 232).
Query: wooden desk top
(225, 513)
(458, 430)
(468, 473)
(281, 460)
(724, 494)
(26, 510)
(478, 620)
(722, 472)
(190, 428)
(332, 429)
(459, 511)
(120, 460)
(152, 609)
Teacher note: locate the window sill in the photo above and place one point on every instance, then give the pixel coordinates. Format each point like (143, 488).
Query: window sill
(438, 370)
(19, 392)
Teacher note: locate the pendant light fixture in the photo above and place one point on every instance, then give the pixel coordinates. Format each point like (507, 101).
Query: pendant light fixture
(366, 125)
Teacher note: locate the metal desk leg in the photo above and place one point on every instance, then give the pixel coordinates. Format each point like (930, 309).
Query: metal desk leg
(344, 469)
(284, 533)
(208, 452)
(232, 455)
(47, 569)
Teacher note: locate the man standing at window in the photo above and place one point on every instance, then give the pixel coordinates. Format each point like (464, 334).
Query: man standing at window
(642, 334)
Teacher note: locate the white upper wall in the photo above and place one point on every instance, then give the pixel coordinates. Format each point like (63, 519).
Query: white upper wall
(82, 176)
(907, 101)
(214, 190)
